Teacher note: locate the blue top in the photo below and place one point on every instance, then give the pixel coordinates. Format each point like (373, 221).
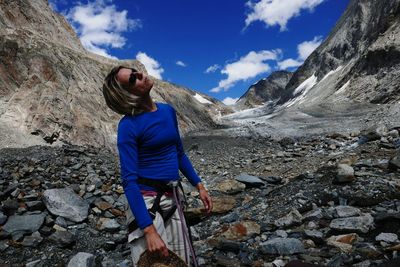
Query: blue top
(150, 147)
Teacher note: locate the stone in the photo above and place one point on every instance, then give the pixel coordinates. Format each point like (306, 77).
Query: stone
(344, 174)
(360, 224)
(313, 215)
(292, 218)
(66, 203)
(249, 180)
(24, 224)
(387, 237)
(241, 230)
(35, 205)
(346, 211)
(394, 163)
(3, 218)
(282, 246)
(272, 179)
(107, 224)
(343, 242)
(63, 239)
(230, 186)
(33, 240)
(33, 263)
(82, 259)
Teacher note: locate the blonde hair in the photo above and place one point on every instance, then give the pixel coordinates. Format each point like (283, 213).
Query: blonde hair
(117, 97)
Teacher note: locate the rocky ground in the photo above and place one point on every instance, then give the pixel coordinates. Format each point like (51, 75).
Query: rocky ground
(332, 200)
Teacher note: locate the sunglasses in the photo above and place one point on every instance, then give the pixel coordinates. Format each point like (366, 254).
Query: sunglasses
(132, 77)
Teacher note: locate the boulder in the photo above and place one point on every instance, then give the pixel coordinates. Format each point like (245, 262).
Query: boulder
(66, 203)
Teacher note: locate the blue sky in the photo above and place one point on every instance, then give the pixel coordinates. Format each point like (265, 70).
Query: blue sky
(217, 47)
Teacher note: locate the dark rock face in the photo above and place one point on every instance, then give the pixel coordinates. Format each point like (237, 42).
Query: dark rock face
(268, 89)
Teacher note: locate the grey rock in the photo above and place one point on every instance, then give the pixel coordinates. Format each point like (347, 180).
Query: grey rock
(346, 211)
(33, 240)
(3, 218)
(24, 224)
(360, 224)
(35, 205)
(110, 225)
(66, 203)
(3, 246)
(32, 263)
(82, 259)
(282, 246)
(345, 174)
(387, 237)
(63, 239)
(366, 263)
(394, 163)
(313, 215)
(292, 218)
(249, 180)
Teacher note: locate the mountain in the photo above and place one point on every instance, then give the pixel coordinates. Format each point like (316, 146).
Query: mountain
(267, 89)
(50, 86)
(351, 82)
(358, 61)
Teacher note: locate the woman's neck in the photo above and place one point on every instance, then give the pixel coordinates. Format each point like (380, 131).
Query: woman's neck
(148, 105)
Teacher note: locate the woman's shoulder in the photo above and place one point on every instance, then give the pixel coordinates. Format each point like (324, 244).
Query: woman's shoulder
(165, 106)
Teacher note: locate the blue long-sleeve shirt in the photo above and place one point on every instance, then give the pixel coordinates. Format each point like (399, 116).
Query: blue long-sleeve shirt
(150, 147)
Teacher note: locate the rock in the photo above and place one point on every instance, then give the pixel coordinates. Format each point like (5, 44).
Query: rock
(387, 237)
(272, 179)
(3, 218)
(24, 224)
(230, 186)
(360, 224)
(82, 259)
(35, 205)
(314, 235)
(375, 132)
(346, 211)
(107, 224)
(343, 242)
(10, 206)
(63, 239)
(313, 215)
(293, 218)
(32, 241)
(249, 180)
(66, 203)
(394, 163)
(33, 263)
(241, 230)
(345, 174)
(282, 246)
(365, 263)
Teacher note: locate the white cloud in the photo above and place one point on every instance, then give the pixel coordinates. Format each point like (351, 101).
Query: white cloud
(246, 67)
(180, 63)
(230, 101)
(289, 63)
(152, 66)
(100, 25)
(306, 48)
(278, 12)
(213, 68)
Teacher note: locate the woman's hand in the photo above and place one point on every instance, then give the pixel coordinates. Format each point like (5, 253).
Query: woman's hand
(154, 242)
(205, 197)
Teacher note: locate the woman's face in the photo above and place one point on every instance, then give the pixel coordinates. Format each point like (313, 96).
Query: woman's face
(142, 85)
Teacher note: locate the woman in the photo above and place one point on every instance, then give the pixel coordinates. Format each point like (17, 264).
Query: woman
(151, 153)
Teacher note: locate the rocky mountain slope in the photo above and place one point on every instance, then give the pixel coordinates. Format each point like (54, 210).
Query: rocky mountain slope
(361, 58)
(350, 82)
(265, 90)
(50, 86)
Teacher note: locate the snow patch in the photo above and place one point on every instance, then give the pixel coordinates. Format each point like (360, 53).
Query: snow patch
(332, 72)
(343, 88)
(201, 99)
(303, 88)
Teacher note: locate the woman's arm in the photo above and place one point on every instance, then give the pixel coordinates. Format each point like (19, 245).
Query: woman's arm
(186, 167)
